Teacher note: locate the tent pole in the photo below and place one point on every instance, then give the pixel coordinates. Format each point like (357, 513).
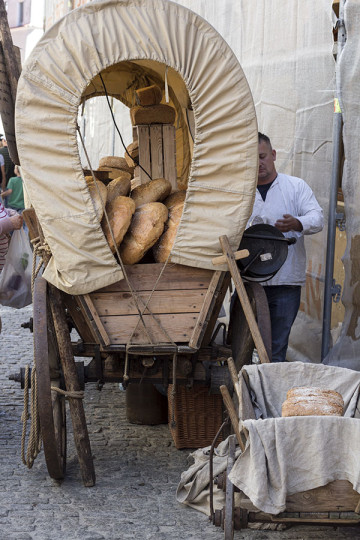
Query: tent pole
(335, 182)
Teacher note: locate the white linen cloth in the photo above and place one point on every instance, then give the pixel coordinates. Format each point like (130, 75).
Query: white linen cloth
(290, 195)
(288, 455)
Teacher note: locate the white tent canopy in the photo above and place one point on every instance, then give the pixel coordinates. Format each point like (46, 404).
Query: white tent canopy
(134, 39)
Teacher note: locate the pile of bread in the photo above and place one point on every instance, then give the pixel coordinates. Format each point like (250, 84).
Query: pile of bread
(141, 218)
(312, 401)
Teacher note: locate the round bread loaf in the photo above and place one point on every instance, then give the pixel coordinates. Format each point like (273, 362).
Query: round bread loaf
(114, 162)
(146, 228)
(164, 246)
(118, 186)
(314, 391)
(155, 190)
(178, 197)
(119, 211)
(98, 194)
(309, 401)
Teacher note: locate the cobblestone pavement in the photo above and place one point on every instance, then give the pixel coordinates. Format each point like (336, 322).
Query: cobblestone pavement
(137, 468)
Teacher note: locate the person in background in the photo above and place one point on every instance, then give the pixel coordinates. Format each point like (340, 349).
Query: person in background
(9, 221)
(9, 165)
(3, 175)
(289, 204)
(15, 192)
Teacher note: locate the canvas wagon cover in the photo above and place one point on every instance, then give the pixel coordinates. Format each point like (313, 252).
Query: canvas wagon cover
(62, 71)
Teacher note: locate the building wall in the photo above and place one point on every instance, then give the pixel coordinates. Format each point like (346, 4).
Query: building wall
(19, 12)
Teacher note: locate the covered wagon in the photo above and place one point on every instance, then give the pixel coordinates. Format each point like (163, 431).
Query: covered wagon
(150, 321)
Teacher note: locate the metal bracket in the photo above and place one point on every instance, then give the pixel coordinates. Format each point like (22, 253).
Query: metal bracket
(336, 291)
(340, 221)
(339, 22)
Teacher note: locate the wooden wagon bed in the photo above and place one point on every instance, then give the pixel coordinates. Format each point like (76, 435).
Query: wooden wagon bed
(186, 302)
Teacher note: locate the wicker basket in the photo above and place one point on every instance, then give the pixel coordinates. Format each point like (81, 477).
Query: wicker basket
(198, 416)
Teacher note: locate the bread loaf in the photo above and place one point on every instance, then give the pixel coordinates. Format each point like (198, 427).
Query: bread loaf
(150, 95)
(155, 114)
(114, 162)
(98, 193)
(118, 186)
(155, 190)
(178, 197)
(146, 228)
(164, 246)
(120, 211)
(308, 401)
(113, 173)
(132, 153)
(135, 182)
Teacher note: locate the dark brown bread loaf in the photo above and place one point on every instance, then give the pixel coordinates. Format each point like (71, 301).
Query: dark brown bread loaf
(155, 114)
(150, 95)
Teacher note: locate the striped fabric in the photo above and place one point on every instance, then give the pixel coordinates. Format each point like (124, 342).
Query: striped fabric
(4, 243)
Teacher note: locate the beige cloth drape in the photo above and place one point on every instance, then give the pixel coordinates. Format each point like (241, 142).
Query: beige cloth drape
(62, 71)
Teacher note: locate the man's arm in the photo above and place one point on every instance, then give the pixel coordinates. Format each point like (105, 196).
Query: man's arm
(310, 219)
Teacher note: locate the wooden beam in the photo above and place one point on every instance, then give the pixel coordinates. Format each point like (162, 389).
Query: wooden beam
(243, 297)
(10, 68)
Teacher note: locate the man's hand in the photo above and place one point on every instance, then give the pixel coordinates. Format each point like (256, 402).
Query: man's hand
(16, 221)
(288, 223)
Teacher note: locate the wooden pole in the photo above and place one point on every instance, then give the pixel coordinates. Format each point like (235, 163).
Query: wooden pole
(244, 300)
(10, 68)
(232, 415)
(76, 405)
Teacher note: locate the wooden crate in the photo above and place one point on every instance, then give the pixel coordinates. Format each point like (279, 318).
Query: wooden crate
(157, 152)
(198, 416)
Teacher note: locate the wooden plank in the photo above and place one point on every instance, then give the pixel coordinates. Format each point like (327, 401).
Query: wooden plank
(10, 68)
(210, 299)
(122, 303)
(82, 323)
(215, 310)
(143, 278)
(243, 297)
(144, 153)
(80, 431)
(97, 321)
(335, 496)
(156, 151)
(31, 222)
(93, 326)
(241, 254)
(179, 326)
(169, 148)
(232, 415)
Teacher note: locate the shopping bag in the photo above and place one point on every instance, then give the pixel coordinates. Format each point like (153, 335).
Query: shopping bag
(15, 278)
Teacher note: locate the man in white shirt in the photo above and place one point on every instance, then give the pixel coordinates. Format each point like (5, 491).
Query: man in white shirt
(289, 204)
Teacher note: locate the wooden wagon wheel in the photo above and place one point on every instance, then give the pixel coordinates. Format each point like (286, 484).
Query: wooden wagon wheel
(239, 335)
(51, 404)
